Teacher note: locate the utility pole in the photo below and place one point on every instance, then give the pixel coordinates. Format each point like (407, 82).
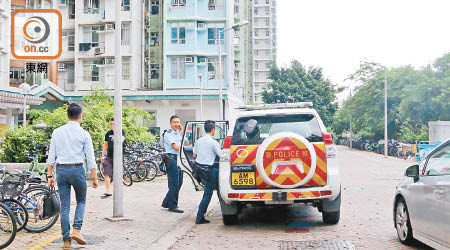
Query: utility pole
(117, 161)
(351, 128)
(201, 97)
(385, 116)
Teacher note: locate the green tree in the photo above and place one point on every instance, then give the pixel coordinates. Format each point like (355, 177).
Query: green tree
(298, 84)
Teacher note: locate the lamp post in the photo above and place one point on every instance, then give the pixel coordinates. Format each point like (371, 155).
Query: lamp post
(385, 116)
(25, 87)
(234, 27)
(201, 97)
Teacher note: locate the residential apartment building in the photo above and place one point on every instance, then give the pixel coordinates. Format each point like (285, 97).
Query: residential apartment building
(169, 50)
(255, 47)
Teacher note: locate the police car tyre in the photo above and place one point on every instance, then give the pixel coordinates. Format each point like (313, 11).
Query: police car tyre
(230, 219)
(331, 217)
(402, 222)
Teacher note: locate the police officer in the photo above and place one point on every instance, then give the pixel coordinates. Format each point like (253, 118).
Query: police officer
(172, 143)
(205, 152)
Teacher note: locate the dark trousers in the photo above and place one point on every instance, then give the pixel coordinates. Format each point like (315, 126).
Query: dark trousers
(66, 178)
(210, 183)
(174, 181)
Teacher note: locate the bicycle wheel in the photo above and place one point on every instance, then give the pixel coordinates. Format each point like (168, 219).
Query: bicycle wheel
(127, 179)
(140, 171)
(100, 171)
(33, 199)
(152, 170)
(8, 226)
(19, 211)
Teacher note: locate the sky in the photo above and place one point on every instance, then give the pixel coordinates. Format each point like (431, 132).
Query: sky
(337, 34)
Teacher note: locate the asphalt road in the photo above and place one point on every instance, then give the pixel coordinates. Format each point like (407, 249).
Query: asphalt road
(368, 187)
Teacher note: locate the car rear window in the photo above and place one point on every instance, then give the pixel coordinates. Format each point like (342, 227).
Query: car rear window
(253, 130)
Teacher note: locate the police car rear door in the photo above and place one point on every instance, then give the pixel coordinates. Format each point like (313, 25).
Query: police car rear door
(192, 132)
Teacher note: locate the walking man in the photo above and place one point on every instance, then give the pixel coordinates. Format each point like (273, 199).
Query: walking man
(69, 147)
(108, 147)
(205, 152)
(172, 143)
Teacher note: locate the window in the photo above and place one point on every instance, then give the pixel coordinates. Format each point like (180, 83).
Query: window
(91, 73)
(177, 67)
(256, 32)
(70, 34)
(256, 1)
(91, 6)
(268, 32)
(178, 2)
(236, 75)
(17, 75)
(256, 11)
(267, 52)
(126, 68)
(36, 72)
(155, 7)
(154, 39)
(268, 65)
(213, 36)
(16, 7)
(267, 11)
(256, 52)
(125, 5)
(126, 33)
(213, 65)
(90, 34)
(439, 162)
(256, 65)
(154, 71)
(71, 8)
(178, 34)
(267, 21)
(253, 130)
(267, 1)
(236, 9)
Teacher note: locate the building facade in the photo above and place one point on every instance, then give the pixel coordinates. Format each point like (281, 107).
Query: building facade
(169, 50)
(256, 47)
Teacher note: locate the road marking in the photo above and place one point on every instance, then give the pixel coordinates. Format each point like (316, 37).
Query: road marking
(45, 242)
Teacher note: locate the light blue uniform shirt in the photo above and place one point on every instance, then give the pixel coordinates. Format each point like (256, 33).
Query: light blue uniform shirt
(71, 144)
(171, 137)
(206, 149)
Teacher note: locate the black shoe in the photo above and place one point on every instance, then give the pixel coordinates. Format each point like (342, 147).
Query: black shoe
(202, 221)
(164, 206)
(176, 210)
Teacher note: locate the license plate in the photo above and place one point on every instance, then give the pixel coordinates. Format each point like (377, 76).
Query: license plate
(243, 179)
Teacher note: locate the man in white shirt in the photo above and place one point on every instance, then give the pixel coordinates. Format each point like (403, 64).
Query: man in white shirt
(205, 151)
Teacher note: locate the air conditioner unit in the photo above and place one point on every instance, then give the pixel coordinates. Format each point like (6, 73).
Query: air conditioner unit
(62, 66)
(109, 26)
(202, 60)
(189, 59)
(109, 60)
(211, 4)
(99, 50)
(201, 25)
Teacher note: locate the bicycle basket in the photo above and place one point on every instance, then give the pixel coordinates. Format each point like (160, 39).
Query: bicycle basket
(12, 186)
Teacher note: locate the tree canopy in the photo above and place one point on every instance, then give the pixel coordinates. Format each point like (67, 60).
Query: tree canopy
(415, 97)
(298, 84)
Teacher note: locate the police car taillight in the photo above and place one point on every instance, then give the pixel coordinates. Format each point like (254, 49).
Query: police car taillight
(225, 155)
(330, 149)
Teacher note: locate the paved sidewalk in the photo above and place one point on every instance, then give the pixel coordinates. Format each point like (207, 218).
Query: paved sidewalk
(152, 227)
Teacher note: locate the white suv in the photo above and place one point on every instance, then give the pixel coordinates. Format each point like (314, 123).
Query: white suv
(274, 154)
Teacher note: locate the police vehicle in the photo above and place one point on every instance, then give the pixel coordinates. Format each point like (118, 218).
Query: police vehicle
(272, 154)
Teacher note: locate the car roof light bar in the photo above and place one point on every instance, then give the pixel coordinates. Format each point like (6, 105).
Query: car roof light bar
(277, 106)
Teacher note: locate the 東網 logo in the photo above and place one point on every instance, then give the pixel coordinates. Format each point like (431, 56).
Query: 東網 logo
(36, 34)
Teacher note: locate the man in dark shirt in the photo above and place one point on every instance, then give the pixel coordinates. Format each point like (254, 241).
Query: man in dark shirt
(108, 147)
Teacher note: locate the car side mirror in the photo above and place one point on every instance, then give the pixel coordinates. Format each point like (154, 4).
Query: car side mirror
(413, 171)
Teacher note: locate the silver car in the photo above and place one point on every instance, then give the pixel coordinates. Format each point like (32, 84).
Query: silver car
(422, 201)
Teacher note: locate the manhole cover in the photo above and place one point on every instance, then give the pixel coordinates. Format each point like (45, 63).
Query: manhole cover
(317, 245)
(91, 239)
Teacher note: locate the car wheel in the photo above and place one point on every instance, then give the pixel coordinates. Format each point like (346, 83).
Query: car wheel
(402, 223)
(331, 217)
(230, 219)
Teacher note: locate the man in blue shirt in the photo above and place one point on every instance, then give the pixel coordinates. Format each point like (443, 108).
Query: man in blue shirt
(69, 147)
(172, 144)
(205, 151)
